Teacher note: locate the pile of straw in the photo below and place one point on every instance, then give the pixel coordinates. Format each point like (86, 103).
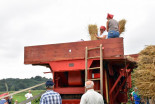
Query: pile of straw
(122, 25)
(93, 30)
(144, 75)
(130, 58)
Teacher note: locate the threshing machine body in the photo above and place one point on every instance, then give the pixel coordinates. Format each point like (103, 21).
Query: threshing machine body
(67, 63)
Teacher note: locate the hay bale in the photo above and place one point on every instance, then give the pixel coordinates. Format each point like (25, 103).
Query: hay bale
(149, 50)
(93, 30)
(144, 75)
(130, 58)
(122, 25)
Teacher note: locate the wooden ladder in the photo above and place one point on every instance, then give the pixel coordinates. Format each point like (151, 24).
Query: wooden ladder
(95, 68)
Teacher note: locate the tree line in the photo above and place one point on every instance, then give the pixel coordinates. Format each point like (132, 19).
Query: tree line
(15, 84)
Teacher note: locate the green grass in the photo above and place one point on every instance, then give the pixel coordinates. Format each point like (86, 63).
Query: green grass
(21, 96)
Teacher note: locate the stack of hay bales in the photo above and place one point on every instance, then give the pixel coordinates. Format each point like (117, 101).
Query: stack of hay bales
(93, 31)
(144, 75)
(122, 25)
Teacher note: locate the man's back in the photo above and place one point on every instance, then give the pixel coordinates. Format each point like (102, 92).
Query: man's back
(92, 97)
(50, 97)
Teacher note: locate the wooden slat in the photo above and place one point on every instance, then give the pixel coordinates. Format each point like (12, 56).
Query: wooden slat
(94, 68)
(106, 85)
(93, 57)
(86, 64)
(93, 48)
(101, 70)
(22, 90)
(98, 91)
(94, 79)
(70, 51)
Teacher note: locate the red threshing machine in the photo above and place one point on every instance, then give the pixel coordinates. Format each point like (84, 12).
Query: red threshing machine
(73, 63)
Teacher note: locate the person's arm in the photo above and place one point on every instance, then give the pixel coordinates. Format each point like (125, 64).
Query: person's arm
(31, 95)
(104, 37)
(6, 102)
(119, 28)
(101, 100)
(41, 100)
(26, 95)
(107, 26)
(60, 99)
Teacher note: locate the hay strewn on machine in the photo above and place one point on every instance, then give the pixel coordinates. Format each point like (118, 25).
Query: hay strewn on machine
(130, 58)
(144, 75)
(122, 25)
(92, 31)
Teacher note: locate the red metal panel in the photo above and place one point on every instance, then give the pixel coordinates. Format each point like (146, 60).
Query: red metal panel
(96, 75)
(122, 97)
(71, 51)
(74, 78)
(70, 90)
(129, 82)
(4, 94)
(70, 65)
(70, 101)
(120, 87)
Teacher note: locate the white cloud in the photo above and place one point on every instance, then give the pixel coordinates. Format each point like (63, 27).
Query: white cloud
(37, 22)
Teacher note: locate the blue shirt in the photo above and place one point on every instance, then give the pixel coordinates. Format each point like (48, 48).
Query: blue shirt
(136, 97)
(2, 101)
(50, 97)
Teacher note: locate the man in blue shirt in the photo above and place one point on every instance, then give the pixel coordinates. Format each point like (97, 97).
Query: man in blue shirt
(50, 97)
(136, 96)
(3, 101)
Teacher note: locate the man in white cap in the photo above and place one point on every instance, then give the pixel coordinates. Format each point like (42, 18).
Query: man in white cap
(91, 96)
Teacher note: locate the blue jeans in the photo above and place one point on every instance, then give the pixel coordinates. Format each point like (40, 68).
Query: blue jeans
(113, 34)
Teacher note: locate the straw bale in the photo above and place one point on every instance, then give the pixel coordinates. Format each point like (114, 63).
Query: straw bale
(149, 50)
(93, 31)
(122, 23)
(130, 58)
(144, 75)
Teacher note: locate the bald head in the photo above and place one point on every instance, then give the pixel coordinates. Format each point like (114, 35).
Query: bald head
(89, 84)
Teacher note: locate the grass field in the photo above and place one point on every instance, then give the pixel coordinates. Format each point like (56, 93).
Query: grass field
(21, 96)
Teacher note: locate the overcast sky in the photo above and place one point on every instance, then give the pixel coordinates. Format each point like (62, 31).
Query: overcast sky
(39, 22)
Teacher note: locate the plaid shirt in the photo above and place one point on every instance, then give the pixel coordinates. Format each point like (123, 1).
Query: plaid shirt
(50, 97)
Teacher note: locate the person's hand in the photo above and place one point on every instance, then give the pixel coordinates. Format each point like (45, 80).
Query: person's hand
(95, 35)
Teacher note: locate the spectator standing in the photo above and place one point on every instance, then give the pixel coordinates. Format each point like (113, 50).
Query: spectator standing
(28, 95)
(135, 95)
(3, 101)
(16, 102)
(91, 96)
(9, 99)
(50, 96)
